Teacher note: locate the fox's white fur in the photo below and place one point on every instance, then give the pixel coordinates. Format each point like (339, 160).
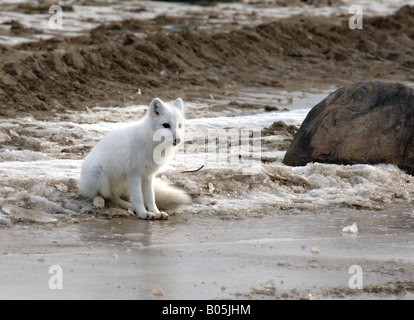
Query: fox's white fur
(123, 164)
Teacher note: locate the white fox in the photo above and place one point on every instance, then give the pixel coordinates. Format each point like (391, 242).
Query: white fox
(123, 164)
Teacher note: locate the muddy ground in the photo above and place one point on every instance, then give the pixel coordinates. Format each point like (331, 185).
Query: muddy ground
(183, 56)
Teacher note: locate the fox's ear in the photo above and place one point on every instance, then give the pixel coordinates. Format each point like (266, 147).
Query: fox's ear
(179, 104)
(156, 107)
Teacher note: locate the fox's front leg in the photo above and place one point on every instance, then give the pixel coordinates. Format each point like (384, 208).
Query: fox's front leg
(136, 197)
(149, 198)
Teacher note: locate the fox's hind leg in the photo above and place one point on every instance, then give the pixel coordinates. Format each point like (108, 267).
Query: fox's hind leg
(98, 202)
(123, 204)
(121, 192)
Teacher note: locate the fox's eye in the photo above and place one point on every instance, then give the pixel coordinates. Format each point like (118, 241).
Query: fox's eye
(166, 125)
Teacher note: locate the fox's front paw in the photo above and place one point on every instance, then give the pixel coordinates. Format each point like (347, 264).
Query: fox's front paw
(153, 216)
(162, 215)
(147, 215)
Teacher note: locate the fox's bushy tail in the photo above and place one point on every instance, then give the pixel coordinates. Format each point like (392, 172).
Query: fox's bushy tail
(168, 197)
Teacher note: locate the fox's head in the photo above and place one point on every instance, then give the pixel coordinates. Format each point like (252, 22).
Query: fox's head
(168, 119)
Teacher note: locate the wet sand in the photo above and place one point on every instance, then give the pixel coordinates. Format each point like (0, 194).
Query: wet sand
(194, 257)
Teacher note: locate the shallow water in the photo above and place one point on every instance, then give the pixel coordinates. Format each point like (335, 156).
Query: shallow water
(205, 257)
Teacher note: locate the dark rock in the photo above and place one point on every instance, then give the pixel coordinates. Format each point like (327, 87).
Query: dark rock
(366, 122)
(271, 108)
(279, 126)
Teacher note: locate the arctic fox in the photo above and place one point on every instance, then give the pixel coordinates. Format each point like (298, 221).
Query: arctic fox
(123, 164)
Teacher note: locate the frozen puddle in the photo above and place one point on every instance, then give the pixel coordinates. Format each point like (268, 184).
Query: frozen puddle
(47, 186)
(27, 214)
(211, 258)
(41, 161)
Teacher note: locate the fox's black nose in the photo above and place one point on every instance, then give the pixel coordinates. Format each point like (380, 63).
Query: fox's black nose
(176, 141)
